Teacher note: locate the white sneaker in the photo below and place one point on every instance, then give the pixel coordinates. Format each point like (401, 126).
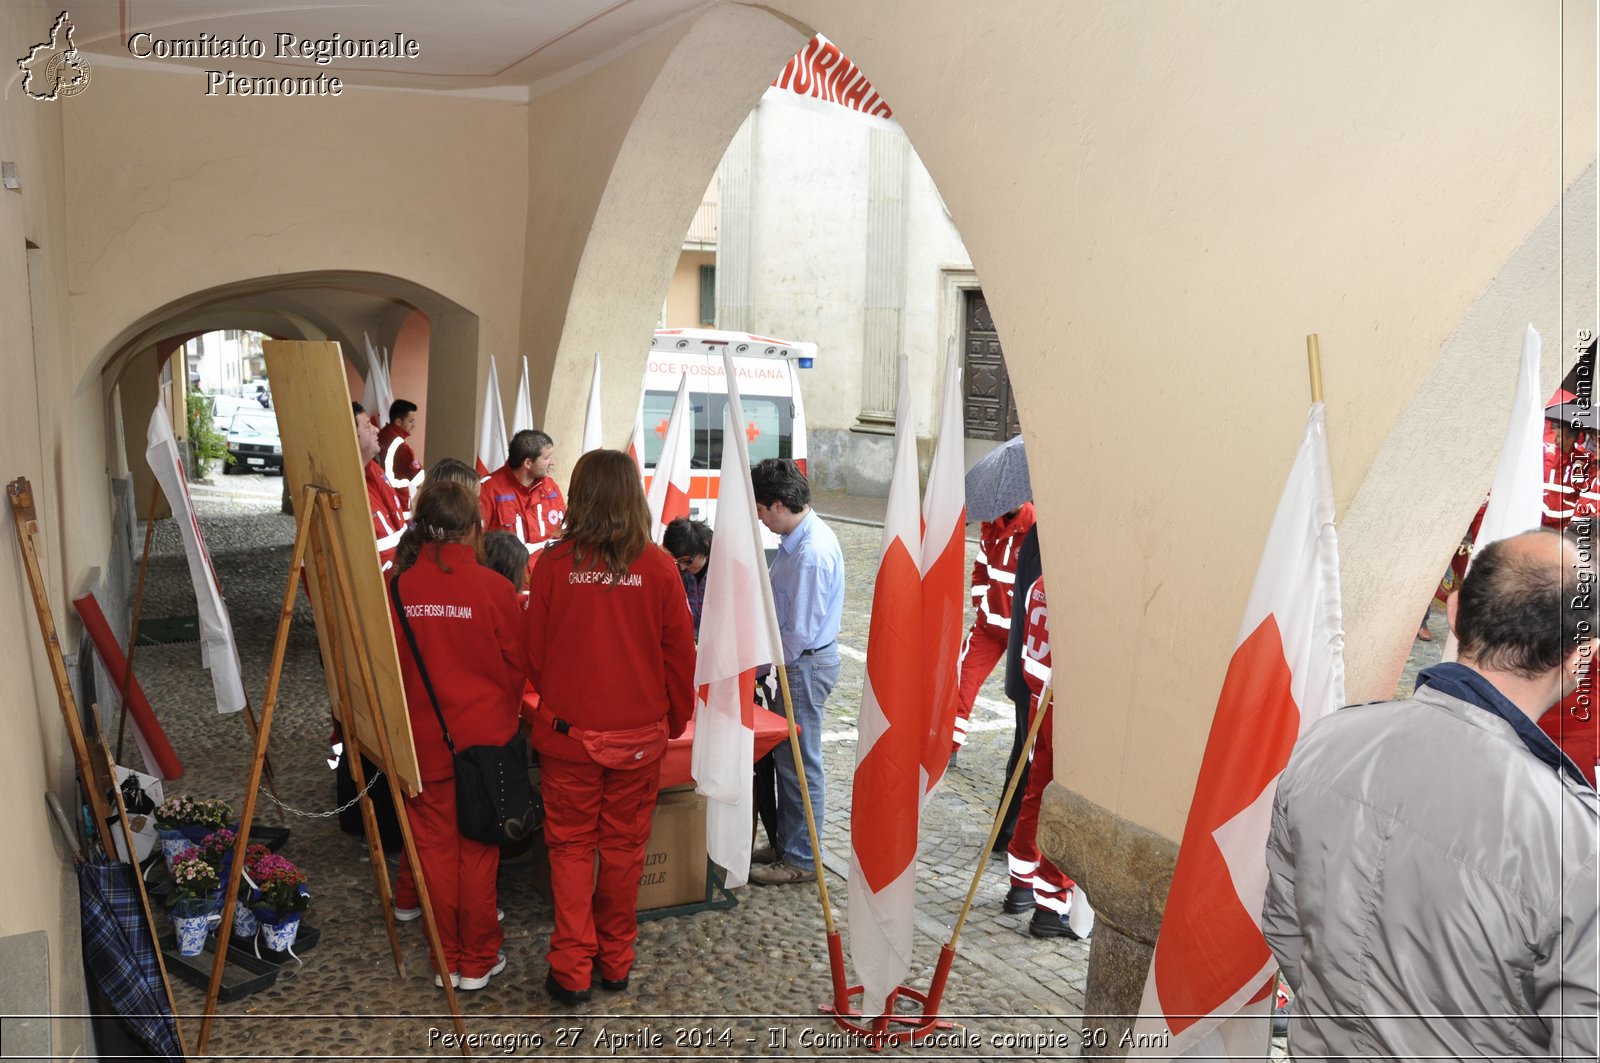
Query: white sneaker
(406, 915)
(479, 983)
(455, 980)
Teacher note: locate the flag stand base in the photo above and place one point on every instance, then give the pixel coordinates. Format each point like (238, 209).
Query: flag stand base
(888, 1029)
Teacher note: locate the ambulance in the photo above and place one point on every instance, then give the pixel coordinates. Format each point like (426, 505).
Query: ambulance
(769, 392)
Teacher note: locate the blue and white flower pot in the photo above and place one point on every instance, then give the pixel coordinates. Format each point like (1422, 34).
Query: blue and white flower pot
(278, 935)
(245, 923)
(173, 842)
(191, 921)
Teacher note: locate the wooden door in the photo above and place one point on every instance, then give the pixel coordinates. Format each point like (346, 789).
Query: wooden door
(991, 411)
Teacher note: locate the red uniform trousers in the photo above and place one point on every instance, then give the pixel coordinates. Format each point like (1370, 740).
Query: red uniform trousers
(1030, 868)
(979, 654)
(461, 881)
(590, 809)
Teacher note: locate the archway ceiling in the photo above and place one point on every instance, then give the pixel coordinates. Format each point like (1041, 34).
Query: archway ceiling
(469, 44)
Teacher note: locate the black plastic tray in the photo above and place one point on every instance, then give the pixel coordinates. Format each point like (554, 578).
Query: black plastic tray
(242, 973)
(304, 942)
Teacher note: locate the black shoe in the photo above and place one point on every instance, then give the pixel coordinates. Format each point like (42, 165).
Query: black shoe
(561, 994)
(1018, 900)
(610, 985)
(1048, 924)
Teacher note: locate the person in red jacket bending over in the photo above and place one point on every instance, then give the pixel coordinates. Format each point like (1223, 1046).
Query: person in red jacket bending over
(611, 654)
(993, 574)
(467, 626)
(520, 496)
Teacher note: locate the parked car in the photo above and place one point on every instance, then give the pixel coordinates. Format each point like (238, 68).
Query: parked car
(253, 441)
(223, 407)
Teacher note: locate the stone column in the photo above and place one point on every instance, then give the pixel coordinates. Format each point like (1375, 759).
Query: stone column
(887, 172)
(1126, 870)
(736, 180)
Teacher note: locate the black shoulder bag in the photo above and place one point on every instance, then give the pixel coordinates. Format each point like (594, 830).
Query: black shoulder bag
(495, 801)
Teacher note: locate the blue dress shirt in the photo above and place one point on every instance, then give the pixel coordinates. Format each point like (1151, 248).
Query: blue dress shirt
(808, 587)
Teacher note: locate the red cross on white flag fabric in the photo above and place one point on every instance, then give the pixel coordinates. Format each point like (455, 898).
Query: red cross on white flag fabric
(888, 781)
(944, 579)
(1210, 984)
(492, 443)
(738, 634)
(636, 439)
(669, 487)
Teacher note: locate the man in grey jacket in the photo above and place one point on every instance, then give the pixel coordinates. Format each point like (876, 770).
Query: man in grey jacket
(1432, 862)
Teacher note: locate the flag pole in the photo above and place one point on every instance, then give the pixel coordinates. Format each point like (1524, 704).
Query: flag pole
(1314, 362)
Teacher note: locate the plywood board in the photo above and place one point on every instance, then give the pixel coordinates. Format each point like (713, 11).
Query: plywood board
(312, 402)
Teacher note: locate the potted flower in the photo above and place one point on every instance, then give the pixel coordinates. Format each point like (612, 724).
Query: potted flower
(188, 818)
(194, 901)
(217, 849)
(281, 899)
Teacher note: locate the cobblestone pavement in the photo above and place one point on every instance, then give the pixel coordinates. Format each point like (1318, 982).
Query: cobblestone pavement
(743, 981)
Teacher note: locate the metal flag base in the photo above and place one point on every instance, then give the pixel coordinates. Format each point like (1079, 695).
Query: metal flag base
(888, 1029)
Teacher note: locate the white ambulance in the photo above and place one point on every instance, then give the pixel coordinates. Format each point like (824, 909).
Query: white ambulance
(769, 391)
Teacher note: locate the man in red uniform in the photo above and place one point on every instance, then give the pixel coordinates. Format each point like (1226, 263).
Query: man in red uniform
(1036, 882)
(400, 465)
(521, 497)
(388, 521)
(993, 579)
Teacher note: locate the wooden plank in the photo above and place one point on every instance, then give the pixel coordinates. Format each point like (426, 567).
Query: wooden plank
(319, 448)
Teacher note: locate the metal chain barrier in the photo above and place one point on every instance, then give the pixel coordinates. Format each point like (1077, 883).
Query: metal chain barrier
(333, 812)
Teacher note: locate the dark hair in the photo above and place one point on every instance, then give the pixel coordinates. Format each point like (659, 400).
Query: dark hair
(505, 553)
(608, 520)
(444, 513)
(357, 409)
(452, 470)
(687, 538)
(1519, 613)
(399, 408)
(527, 445)
(780, 480)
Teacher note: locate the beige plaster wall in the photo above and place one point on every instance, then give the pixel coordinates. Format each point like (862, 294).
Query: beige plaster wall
(1163, 200)
(37, 882)
(174, 192)
(683, 294)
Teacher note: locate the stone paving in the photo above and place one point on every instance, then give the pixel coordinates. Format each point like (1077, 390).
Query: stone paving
(740, 981)
(743, 981)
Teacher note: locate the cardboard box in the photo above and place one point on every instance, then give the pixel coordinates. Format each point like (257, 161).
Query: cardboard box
(674, 857)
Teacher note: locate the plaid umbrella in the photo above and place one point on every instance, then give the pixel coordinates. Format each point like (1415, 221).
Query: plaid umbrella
(999, 482)
(121, 957)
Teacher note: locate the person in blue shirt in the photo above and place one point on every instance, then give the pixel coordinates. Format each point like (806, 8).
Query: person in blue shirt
(808, 592)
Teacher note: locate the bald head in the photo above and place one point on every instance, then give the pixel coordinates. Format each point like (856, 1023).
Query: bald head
(1526, 604)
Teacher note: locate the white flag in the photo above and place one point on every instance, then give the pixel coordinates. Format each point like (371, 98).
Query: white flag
(591, 421)
(522, 417)
(492, 443)
(217, 650)
(1209, 990)
(668, 496)
(738, 634)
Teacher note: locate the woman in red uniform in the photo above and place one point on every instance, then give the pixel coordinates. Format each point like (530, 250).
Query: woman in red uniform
(466, 623)
(611, 653)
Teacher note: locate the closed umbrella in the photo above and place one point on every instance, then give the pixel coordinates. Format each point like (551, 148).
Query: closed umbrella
(999, 483)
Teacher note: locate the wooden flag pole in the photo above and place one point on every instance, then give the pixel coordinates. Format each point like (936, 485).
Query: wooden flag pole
(20, 494)
(1314, 362)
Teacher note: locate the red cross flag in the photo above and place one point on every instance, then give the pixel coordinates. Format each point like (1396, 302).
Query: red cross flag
(944, 579)
(1210, 984)
(738, 634)
(522, 416)
(888, 783)
(636, 439)
(492, 443)
(669, 487)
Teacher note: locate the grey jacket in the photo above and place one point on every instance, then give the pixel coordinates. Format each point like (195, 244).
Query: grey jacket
(1432, 890)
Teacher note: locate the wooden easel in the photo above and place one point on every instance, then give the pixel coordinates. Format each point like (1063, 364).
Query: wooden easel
(319, 535)
(96, 777)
